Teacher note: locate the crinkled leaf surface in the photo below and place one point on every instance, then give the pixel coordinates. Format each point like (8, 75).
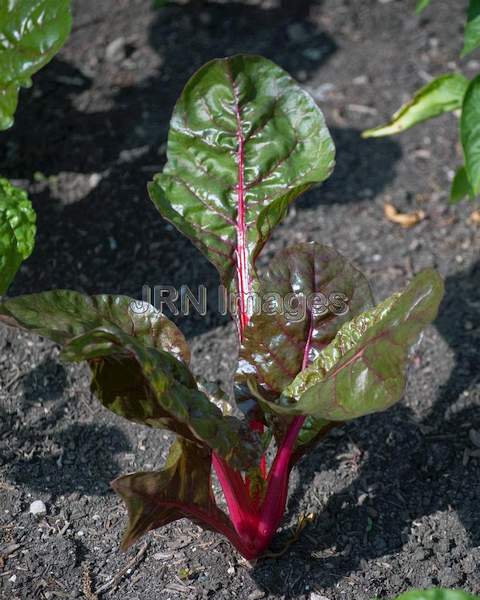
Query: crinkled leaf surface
(137, 358)
(62, 315)
(472, 29)
(17, 231)
(150, 386)
(307, 293)
(363, 369)
(460, 187)
(244, 141)
(31, 33)
(181, 489)
(443, 94)
(437, 594)
(470, 133)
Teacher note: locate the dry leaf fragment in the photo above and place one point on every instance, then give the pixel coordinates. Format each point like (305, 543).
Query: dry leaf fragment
(475, 217)
(403, 219)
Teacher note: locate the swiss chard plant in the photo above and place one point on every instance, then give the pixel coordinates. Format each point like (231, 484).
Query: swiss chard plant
(451, 92)
(31, 33)
(314, 350)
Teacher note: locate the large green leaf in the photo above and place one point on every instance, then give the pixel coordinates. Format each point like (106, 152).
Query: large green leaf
(472, 29)
(181, 489)
(443, 94)
(138, 359)
(62, 315)
(308, 292)
(363, 369)
(17, 231)
(470, 133)
(244, 141)
(31, 33)
(437, 594)
(150, 386)
(305, 296)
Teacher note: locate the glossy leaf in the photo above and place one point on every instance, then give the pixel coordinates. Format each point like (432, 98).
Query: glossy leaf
(363, 369)
(460, 187)
(138, 358)
(150, 386)
(422, 5)
(307, 293)
(31, 33)
(443, 94)
(472, 29)
(17, 231)
(437, 594)
(181, 489)
(470, 133)
(62, 315)
(244, 141)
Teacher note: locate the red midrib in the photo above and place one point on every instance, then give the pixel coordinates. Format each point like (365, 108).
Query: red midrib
(241, 227)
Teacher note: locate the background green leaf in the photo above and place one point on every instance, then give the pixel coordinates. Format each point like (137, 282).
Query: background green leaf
(363, 369)
(437, 594)
(31, 33)
(422, 5)
(460, 186)
(443, 94)
(472, 28)
(17, 231)
(243, 134)
(470, 133)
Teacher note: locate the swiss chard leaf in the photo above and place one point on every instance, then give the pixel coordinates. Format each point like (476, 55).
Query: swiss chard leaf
(181, 489)
(470, 133)
(307, 293)
(244, 141)
(137, 358)
(363, 369)
(305, 296)
(472, 29)
(443, 94)
(31, 33)
(62, 315)
(17, 231)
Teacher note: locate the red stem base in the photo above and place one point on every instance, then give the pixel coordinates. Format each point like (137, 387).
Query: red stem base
(255, 523)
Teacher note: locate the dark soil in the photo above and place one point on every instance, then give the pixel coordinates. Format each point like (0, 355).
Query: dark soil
(396, 495)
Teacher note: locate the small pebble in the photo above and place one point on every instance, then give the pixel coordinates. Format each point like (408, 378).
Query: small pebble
(38, 508)
(256, 595)
(116, 50)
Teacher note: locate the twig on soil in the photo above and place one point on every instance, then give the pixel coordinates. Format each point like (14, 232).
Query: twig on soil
(13, 380)
(113, 583)
(87, 583)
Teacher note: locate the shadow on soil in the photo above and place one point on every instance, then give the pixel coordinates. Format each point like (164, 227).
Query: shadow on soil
(62, 457)
(406, 468)
(110, 238)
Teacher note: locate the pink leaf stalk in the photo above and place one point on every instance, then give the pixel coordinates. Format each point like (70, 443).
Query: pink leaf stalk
(255, 522)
